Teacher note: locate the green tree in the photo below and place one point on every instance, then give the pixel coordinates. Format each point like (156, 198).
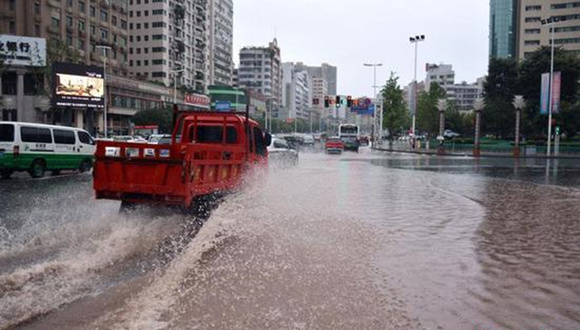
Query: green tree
(427, 111)
(395, 115)
(498, 116)
(161, 117)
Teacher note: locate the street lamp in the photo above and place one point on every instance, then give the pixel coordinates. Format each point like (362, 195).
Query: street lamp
(518, 103)
(551, 22)
(415, 40)
(380, 116)
(175, 72)
(104, 48)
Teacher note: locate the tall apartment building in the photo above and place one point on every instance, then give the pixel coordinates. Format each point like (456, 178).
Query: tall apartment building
(76, 26)
(296, 92)
(533, 35)
(260, 70)
(169, 42)
(319, 91)
(221, 42)
(503, 24)
(465, 94)
(326, 71)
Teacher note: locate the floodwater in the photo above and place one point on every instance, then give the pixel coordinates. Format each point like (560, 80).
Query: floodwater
(352, 241)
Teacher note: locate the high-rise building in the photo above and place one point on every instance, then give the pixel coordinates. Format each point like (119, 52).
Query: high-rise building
(260, 70)
(503, 26)
(465, 94)
(326, 71)
(73, 28)
(296, 92)
(169, 42)
(221, 42)
(533, 35)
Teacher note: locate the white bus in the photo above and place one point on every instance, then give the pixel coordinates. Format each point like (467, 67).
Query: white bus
(37, 148)
(348, 130)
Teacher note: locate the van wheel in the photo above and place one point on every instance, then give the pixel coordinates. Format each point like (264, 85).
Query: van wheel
(55, 172)
(37, 168)
(86, 165)
(5, 174)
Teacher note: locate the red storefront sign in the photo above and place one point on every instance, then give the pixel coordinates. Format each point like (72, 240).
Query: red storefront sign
(197, 100)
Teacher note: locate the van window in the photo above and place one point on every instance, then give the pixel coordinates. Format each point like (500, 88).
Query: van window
(6, 133)
(260, 142)
(63, 137)
(86, 138)
(35, 134)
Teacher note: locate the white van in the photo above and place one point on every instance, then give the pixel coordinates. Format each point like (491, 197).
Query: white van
(37, 148)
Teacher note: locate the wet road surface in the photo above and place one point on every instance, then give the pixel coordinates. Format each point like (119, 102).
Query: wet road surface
(356, 241)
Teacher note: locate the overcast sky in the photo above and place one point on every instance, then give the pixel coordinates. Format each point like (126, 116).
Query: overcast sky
(347, 33)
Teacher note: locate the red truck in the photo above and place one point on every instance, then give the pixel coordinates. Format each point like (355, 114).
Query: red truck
(209, 153)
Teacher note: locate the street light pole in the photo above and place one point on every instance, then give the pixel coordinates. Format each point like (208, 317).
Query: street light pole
(380, 115)
(518, 103)
(415, 40)
(104, 48)
(551, 22)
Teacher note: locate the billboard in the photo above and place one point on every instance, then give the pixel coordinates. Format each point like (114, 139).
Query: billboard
(363, 106)
(25, 51)
(76, 85)
(556, 85)
(544, 93)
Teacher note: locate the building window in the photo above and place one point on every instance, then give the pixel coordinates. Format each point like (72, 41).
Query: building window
(37, 30)
(131, 63)
(131, 51)
(138, 38)
(158, 12)
(131, 13)
(81, 25)
(532, 19)
(532, 31)
(93, 30)
(114, 20)
(145, 25)
(533, 8)
(158, 24)
(81, 7)
(566, 29)
(138, 26)
(138, 63)
(93, 11)
(104, 16)
(37, 8)
(146, 13)
(138, 12)
(81, 44)
(159, 74)
(69, 21)
(55, 22)
(123, 24)
(567, 41)
(12, 27)
(146, 63)
(146, 50)
(138, 50)
(123, 41)
(146, 38)
(104, 34)
(158, 49)
(130, 26)
(159, 62)
(12, 4)
(566, 5)
(130, 38)
(69, 40)
(531, 42)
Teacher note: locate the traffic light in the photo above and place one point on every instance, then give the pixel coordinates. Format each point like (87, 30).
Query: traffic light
(349, 101)
(326, 101)
(337, 100)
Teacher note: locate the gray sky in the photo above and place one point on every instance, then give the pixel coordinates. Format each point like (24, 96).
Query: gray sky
(349, 33)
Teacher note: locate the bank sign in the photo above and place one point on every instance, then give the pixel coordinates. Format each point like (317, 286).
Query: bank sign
(24, 51)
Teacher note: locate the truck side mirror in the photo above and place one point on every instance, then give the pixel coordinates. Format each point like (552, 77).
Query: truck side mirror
(268, 138)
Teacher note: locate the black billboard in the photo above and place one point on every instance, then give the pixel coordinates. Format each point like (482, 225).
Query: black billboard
(77, 85)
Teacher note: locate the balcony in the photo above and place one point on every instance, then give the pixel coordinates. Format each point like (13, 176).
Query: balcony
(54, 3)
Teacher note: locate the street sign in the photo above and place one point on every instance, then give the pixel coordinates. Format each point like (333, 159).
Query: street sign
(223, 106)
(544, 93)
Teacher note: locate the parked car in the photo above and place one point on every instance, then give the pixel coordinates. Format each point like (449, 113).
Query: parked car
(449, 134)
(364, 140)
(333, 145)
(279, 152)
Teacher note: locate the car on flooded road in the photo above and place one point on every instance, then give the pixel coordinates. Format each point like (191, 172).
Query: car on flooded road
(334, 145)
(280, 153)
(350, 143)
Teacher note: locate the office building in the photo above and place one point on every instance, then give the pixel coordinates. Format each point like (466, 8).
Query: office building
(296, 92)
(503, 24)
(532, 34)
(325, 71)
(465, 94)
(442, 74)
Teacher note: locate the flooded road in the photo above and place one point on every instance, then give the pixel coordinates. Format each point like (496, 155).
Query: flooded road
(356, 241)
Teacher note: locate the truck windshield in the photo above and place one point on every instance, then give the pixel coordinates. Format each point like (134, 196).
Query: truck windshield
(214, 134)
(6, 133)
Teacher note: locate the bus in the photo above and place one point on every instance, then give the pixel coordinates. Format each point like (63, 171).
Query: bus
(348, 130)
(349, 134)
(37, 148)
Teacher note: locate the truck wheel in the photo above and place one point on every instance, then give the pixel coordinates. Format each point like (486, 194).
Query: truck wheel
(5, 174)
(37, 168)
(86, 165)
(127, 206)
